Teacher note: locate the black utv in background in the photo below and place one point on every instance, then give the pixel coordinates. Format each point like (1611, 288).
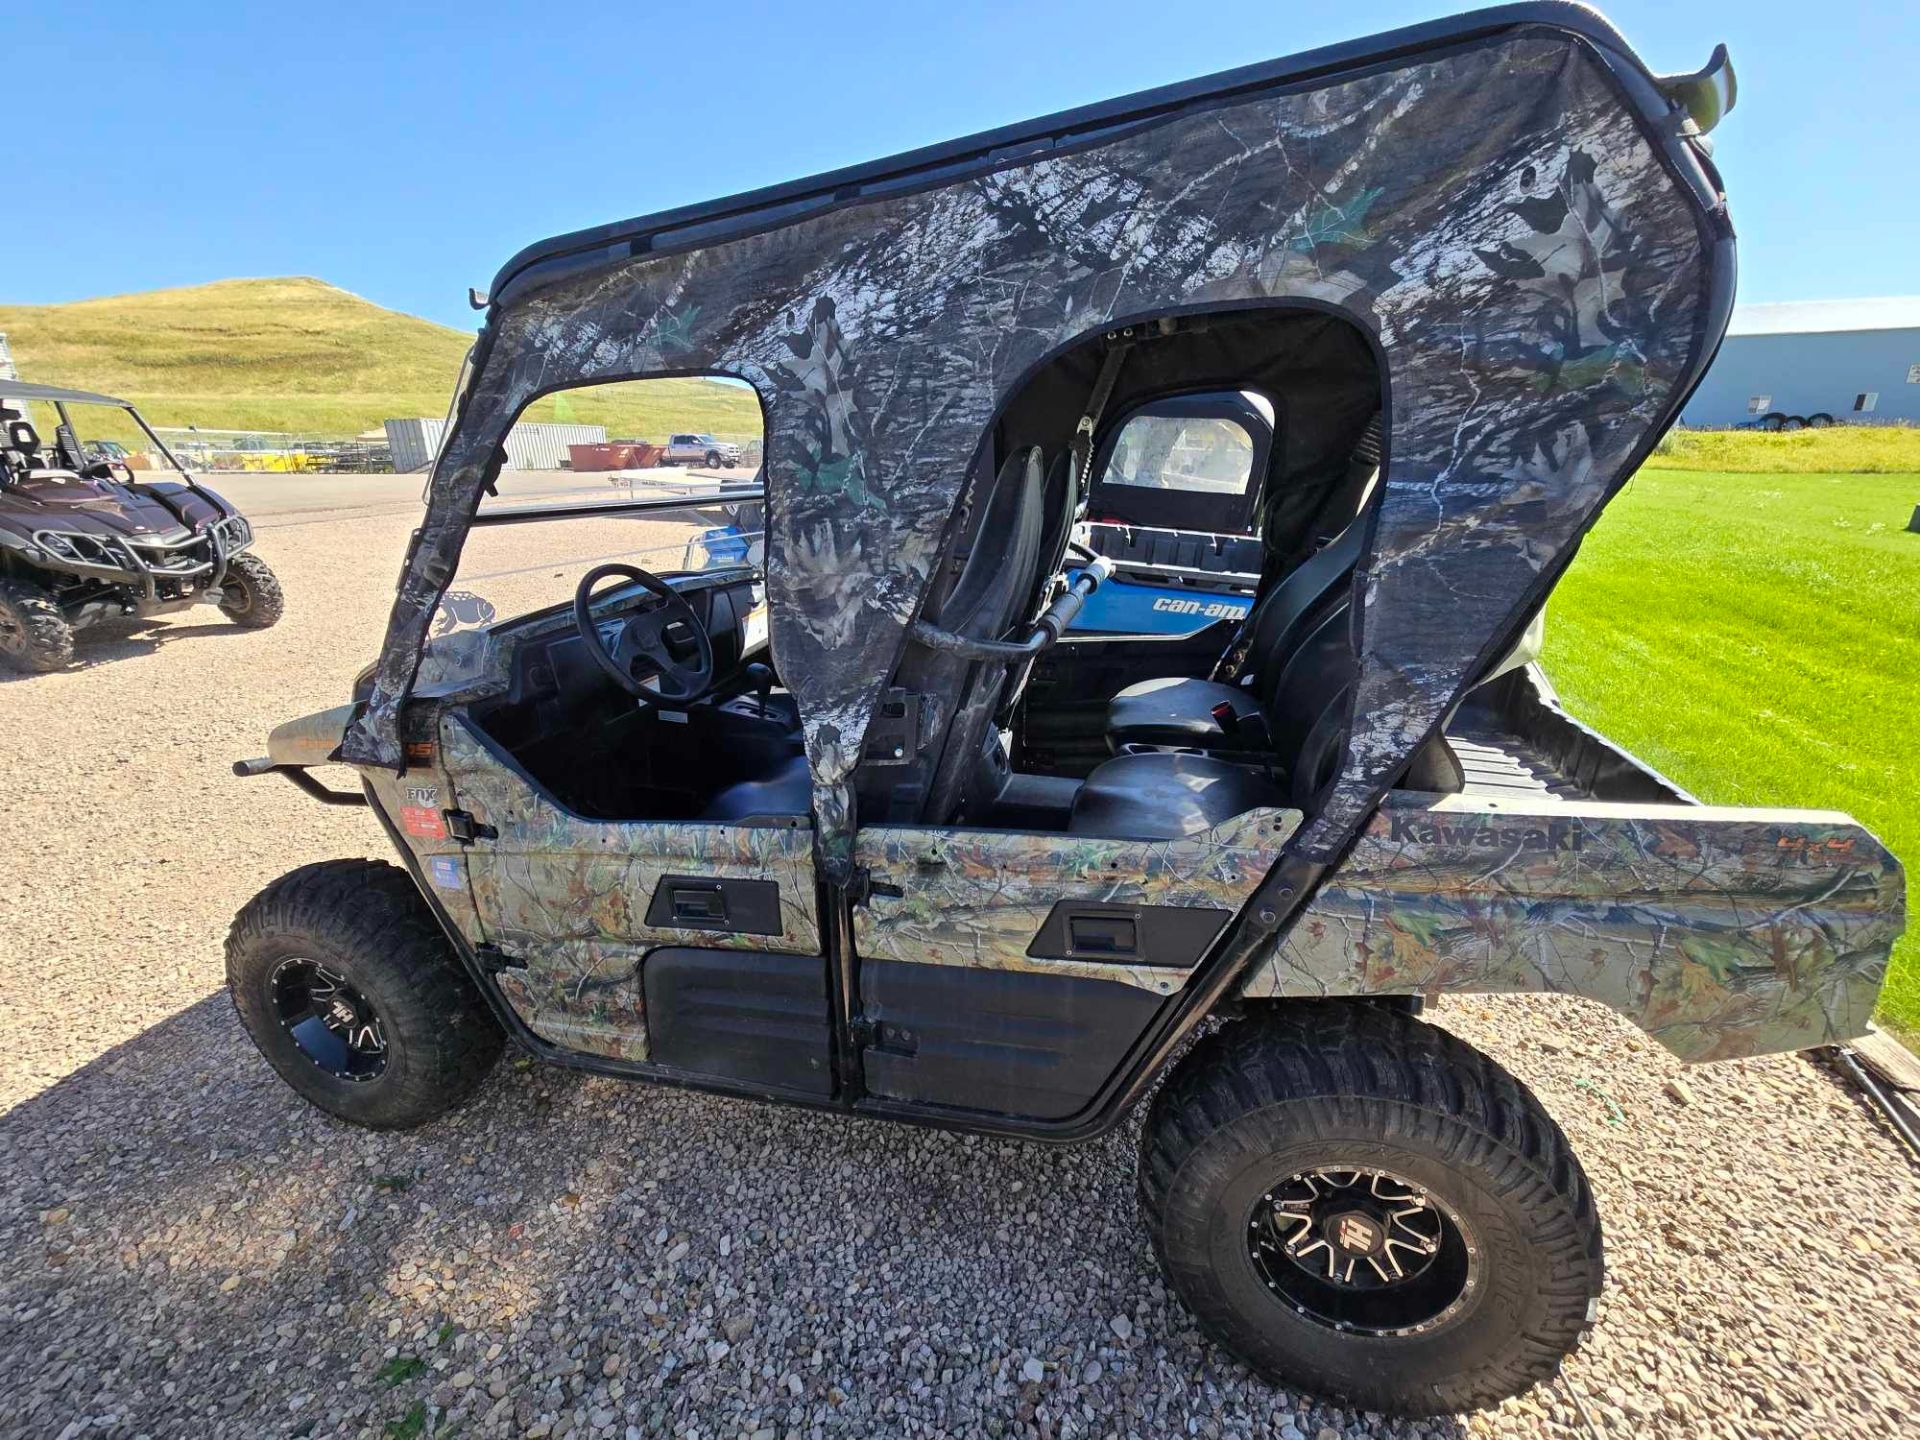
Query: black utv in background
(82, 540)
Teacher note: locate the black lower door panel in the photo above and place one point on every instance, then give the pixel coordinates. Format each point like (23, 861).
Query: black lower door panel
(742, 1015)
(1007, 1041)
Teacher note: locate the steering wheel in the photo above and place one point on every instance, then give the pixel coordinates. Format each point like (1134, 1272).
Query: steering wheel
(109, 470)
(643, 637)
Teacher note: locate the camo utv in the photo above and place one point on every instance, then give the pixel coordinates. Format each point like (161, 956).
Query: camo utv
(897, 844)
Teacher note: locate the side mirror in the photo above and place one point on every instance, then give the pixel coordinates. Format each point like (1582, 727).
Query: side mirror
(1707, 94)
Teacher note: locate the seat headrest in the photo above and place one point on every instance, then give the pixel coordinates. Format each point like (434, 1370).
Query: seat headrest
(22, 436)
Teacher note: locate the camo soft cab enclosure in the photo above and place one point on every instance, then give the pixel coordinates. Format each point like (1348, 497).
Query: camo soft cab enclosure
(1507, 208)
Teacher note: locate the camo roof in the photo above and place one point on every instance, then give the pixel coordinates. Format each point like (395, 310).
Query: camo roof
(1534, 260)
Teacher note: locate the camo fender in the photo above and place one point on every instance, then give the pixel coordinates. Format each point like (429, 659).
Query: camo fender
(1721, 933)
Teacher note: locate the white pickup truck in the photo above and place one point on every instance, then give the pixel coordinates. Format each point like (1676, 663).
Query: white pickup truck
(691, 449)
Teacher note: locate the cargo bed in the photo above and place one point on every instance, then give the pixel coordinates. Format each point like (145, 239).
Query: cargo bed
(1513, 740)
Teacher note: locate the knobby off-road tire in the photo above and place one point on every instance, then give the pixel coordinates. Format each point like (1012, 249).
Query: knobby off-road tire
(34, 633)
(250, 594)
(363, 923)
(1319, 1087)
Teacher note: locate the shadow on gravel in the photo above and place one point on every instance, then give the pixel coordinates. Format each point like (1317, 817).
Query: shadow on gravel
(188, 1248)
(122, 640)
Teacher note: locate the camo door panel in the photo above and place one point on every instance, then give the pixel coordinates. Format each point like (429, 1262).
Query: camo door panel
(568, 897)
(1720, 932)
(978, 899)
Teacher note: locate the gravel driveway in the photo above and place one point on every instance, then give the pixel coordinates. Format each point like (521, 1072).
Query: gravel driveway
(187, 1250)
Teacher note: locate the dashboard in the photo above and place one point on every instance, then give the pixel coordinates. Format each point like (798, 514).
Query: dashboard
(509, 654)
(555, 662)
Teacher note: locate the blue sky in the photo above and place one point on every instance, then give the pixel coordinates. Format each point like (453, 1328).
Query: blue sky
(404, 151)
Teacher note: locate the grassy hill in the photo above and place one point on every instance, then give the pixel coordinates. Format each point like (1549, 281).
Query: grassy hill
(297, 354)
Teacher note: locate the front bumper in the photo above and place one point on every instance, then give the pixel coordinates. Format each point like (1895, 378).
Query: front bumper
(164, 570)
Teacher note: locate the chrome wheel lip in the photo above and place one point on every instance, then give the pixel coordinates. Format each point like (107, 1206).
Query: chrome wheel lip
(330, 1021)
(1456, 1246)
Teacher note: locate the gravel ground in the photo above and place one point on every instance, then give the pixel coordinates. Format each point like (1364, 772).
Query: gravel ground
(187, 1250)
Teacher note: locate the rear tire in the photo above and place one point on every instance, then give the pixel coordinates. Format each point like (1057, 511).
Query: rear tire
(363, 925)
(250, 594)
(1328, 1090)
(34, 633)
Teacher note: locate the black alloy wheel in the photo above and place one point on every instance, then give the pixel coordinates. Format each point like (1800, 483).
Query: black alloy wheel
(1363, 1251)
(35, 635)
(333, 1024)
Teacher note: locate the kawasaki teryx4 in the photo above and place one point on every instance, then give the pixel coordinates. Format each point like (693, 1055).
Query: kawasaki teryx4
(901, 845)
(84, 539)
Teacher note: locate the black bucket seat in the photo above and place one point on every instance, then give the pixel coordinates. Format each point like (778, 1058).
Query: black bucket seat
(949, 768)
(1291, 698)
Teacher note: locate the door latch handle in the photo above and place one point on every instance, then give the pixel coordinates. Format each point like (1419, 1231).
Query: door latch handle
(1103, 935)
(704, 905)
(463, 827)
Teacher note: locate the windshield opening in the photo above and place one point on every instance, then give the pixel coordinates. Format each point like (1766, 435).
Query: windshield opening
(690, 448)
(72, 435)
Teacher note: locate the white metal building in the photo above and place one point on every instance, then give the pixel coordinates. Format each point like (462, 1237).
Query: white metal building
(535, 445)
(1847, 361)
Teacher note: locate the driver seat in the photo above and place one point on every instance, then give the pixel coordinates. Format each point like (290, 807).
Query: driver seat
(23, 440)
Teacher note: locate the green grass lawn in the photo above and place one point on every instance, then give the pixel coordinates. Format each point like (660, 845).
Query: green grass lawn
(1856, 449)
(1757, 638)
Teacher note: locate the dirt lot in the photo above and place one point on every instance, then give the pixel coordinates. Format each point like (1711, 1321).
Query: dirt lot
(185, 1249)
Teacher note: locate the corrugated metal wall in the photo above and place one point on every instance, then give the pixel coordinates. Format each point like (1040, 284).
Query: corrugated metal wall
(1812, 374)
(414, 443)
(544, 446)
(535, 446)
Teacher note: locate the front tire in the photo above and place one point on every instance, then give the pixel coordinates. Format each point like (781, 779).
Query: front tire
(713, 459)
(1357, 1203)
(250, 594)
(34, 633)
(345, 984)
